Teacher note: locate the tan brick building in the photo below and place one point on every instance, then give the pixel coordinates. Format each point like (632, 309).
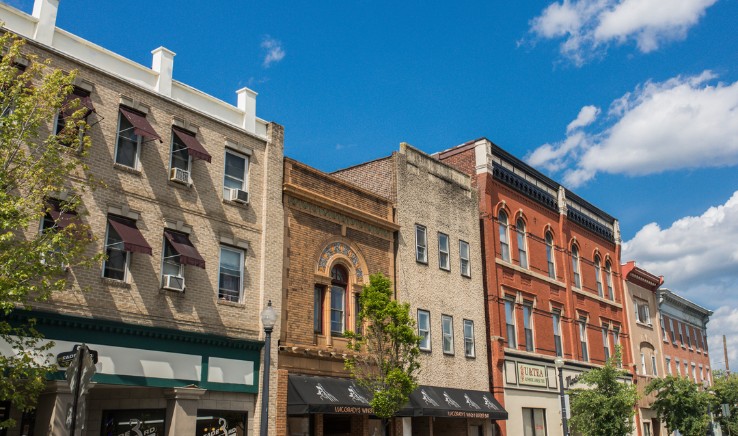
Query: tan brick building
(191, 221)
(439, 272)
(336, 235)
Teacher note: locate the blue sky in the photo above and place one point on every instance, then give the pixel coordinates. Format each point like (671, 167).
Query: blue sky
(631, 103)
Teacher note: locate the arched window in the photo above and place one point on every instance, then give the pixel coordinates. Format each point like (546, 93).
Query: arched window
(575, 265)
(550, 255)
(339, 282)
(608, 279)
(504, 239)
(522, 252)
(598, 274)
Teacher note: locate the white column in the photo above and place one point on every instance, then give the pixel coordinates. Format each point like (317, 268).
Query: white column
(407, 426)
(182, 410)
(45, 11)
(163, 63)
(247, 103)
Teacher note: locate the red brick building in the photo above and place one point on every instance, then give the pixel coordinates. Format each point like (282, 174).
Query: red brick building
(553, 284)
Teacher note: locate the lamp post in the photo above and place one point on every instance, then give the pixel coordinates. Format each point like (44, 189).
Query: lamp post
(559, 363)
(268, 319)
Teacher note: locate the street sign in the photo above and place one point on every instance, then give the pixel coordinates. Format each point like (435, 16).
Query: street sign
(726, 410)
(80, 364)
(64, 359)
(568, 407)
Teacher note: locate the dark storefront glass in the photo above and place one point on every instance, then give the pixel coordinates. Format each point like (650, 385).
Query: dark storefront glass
(145, 422)
(220, 423)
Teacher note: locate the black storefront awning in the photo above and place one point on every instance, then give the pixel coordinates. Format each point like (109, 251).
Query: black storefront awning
(308, 394)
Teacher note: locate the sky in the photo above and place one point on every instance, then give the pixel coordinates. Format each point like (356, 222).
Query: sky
(632, 104)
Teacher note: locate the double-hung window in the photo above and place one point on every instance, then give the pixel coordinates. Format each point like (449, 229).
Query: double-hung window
(339, 282)
(667, 362)
(421, 244)
(79, 99)
(689, 338)
(663, 329)
(128, 148)
(655, 370)
(464, 259)
(556, 316)
(642, 312)
(447, 328)
(512, 336)
(424, 330)
(528, 325)
(178, 252)
(671, 329)
(318, 293)
(121, 239)
(504, 237)
(681, 336)
(172, 269)
(575, 266)
(643, 363)
(583, 337)
(469, 338)
(606, 340)
(180, 160)
(678, 367)
(235, 176)
(443, 252)
(598, 275)
(550, 255)
(522, 249)
(608, 280)
(230, 279)
(616, 340)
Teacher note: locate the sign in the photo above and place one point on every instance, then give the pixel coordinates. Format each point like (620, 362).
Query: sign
(726, 410)
(65, 358)
(79, 372)
(533, 375)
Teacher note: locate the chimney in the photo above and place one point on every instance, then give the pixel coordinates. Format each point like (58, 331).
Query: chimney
(163, 63)
(45, 12)
(247, 103)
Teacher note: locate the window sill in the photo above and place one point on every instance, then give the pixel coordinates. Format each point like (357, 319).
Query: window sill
(545, 278)
(127, 169)
(180, 185)
(472, 356)
(421, 262)
(425, 350)
(236, 204)
(445, 269)
(115, 283)
(646, 325)
(446, 353)
(466, 276)
(230, 303)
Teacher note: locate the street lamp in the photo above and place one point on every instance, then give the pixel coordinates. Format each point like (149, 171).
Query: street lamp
(268, 319)
(559, 363)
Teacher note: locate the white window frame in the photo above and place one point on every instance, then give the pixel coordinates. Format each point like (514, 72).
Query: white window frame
(512, 342)
(444, 251)
(556, 320)
(464, 264)
(575, 266)
(175, 138)
(550, 256)
(667, 362)
(139, 141)
(504, 234)
(447, 320)
(678, 365)
(606, 340)
(421, 248)
(241, 265)
(608, 281)
(644, 318)
(127, 264)
(583, 338)
(673, 334)
(643, 363)
(164, 260)
(663, 329)
(427, 330)
(530, 345)
(598, 276)
(522, 243)
(245, 180)
(469, 343)
(654, 368)
(689, 337)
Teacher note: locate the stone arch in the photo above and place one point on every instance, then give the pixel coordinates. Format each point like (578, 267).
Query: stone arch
(340, 250)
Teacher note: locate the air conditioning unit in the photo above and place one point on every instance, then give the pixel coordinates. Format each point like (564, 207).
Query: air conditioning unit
(174, 283)
(180, 175)
(238, 195)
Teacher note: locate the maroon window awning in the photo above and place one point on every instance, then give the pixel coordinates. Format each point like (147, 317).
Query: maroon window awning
(194, 148)
(61, 218)
(84, 102)
(133, 240)
(188, 254)
(141, 125)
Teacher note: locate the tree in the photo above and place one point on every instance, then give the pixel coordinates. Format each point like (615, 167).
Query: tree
(387, 348)
(681, 404)
(607, 407)
(725, 387)
(42, 175)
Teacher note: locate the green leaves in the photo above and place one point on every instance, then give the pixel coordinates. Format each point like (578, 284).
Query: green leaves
(681, 404)
(608, 406)
(725, 388)
(387, 350)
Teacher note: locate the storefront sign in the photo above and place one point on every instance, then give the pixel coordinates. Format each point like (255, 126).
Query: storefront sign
(533, 375)
(464, 414)
(353, 410)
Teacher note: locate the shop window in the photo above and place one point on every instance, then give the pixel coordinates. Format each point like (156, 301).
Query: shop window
(133, 422)
(534, 422)
(230, 283)
(220, 423)
(522, 249)
(424, 330)
(443, 252)
(447, 329)
(550, 255)
(421, 244)
(504, 237)
(464, 259)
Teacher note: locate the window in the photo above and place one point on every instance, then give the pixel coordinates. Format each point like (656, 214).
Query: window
(583, 337)
(318, 309)
(522, 251)
(556, 316)
(235, 176)
(707, 372)
(179, 160)
(534, 422)
(68, 109)
(689, 339)
(686, 369)
(469, 338)
(528, 325)
(646, 428)
(663, 329)
(512, 341)
(171, 265)
(608, 279)
(615, 336)
(464, 259)
(598, 275)
(504, 239)
(575, 266)
(606, 341)
(122, 238)
(447, 328)
(424, 329)
(698, 339)
(128, 148)
(702, 373)
(678, 367)
(667, 362)
(654, 370)
(641, 312)
(550, 255)
(681, 337)
(671, 328)
(339, 281)
(643, 364)
(357, 308)
(704, 336)
(443, 254)
(694, 372)
(230, 283)
(421, 245)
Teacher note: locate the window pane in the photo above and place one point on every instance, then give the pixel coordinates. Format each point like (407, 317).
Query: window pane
(127, 144)
(504, 243)
(510, 320)
(231, 264)
(180, 156)
(522, 254)
(464, 258)
(115, 265)
(598, 276)
(424, 329)
(575, 266)
(318, 309)
(468, 338)
(448, 334)
(420, 244)
(443, 254)
(338, 304)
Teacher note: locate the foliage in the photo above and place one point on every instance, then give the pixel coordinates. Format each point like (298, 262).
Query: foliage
(36, 169)
(681, 404)
(388, 347)
(725, 388)
(607, 407)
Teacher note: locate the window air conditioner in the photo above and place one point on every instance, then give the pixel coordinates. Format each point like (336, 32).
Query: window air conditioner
(239, 196)
(174, 283)
(180, 175)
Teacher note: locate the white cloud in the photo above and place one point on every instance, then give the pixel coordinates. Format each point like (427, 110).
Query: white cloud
(588, 26)
(684, 122)
(274, 51)
(698, 258)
